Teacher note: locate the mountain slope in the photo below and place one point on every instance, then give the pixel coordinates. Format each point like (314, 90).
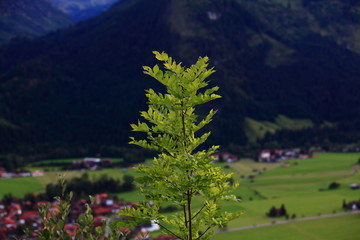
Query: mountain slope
(83, 9)
(20, 18)
(79, 89)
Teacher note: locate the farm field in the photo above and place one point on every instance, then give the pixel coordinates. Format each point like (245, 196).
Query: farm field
(18, 187)
(334, 228)
(297, 187)
(302, 187)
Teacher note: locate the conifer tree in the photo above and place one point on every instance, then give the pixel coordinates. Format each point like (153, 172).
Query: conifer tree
(180, 173)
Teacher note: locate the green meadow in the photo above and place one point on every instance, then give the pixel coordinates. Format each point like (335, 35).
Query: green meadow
(18, 187)
(334, 228)
(302, 187)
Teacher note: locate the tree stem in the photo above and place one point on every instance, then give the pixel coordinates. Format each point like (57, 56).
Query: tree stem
(185, 216)
(189, 214)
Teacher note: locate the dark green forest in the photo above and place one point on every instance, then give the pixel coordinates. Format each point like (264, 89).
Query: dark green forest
(75, 91)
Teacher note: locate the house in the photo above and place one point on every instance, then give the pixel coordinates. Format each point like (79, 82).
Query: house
(8, 175)
(98, 211)
(29, 217)
(24, 173)
(3, 211)
(2, 171)
(14, 209)
(265, 155)
(99, 221)
(223, 157)
(303, 156)
(109, 202)
(92, 160)
(37, 173)
(278, 155)
(101, 198)
(150, 227)
(87, 163)
(227, 157)
(107, 162)
(71, 229)
(92, 163)
(9, 222)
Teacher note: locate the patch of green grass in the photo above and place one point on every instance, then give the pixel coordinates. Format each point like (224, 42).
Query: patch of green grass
(246, 166)
(293, 124)
(258, 129)
(296, 186)
(54, 176)
(323, 162)
(18, 187)
(335, 228)
(133, 196)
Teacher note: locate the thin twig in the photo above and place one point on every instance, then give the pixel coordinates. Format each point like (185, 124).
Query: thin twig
(199, 211)
(205, 231)
(171, 232)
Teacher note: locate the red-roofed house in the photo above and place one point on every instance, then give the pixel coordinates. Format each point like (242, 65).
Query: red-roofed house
(2, 171)
(14, 209)
(71, 229)
(9, 223)
(101, 210)
(98, 221)
(29, 215)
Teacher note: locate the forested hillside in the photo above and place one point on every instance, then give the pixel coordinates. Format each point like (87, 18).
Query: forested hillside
(22, 18)
(76, 91)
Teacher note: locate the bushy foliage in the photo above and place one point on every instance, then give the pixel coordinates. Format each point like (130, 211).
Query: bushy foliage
(277, 212)
(54, 223)
(334, 185)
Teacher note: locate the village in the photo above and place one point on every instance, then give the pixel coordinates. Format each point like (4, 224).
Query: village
(19, 214)
(16, 215)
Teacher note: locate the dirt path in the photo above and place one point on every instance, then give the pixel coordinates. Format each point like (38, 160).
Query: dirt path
(289, 221)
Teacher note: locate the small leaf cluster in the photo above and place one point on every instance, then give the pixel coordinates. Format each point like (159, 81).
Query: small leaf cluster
(180, 172)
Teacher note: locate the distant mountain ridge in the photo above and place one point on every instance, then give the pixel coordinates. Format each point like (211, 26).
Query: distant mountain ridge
(29, 19)
(79, 89)
(83, 9)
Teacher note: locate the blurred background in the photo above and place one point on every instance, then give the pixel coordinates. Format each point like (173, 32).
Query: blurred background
(71, 83)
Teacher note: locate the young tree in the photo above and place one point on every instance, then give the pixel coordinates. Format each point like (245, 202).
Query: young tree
(180, 173)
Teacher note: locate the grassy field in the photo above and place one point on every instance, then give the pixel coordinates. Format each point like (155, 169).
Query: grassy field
(297, 187)
(335, 228)
(18, 187)
(257, 129)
